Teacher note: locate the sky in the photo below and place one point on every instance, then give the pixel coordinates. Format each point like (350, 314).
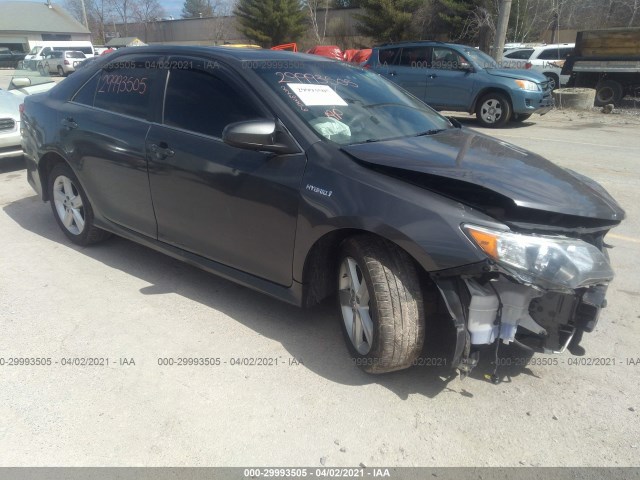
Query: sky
(172, 7)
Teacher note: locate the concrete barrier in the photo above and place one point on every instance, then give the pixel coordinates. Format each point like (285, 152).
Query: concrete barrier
(575, 98)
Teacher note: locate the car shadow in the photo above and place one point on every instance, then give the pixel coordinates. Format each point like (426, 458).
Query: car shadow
(12, 164)
(313, 337)
(471, 121)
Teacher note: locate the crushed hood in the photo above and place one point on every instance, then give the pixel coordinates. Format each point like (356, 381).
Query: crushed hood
(470, 158)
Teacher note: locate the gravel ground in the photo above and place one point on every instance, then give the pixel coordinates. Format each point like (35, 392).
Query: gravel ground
(123, 302)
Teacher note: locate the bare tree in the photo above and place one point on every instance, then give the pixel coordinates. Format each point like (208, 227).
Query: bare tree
(145, 12)
(313, 6)
(222, 11)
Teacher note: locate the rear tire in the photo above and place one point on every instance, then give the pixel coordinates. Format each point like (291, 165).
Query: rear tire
(381, 304)
(71, 207)
(60, 71)
(493, 110)
(608, 91)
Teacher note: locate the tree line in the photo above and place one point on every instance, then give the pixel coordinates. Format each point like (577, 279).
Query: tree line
(271, 22)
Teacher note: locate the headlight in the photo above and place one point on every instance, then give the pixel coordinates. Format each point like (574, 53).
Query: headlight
(550, 262)
(527, 85)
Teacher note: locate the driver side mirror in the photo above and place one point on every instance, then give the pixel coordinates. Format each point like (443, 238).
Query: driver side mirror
(465, 67)
(261, 135)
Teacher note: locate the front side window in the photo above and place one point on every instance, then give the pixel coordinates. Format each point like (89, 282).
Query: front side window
(550, 54)
(447, 59)
(416, 57)
(202, 102)
(388, 56)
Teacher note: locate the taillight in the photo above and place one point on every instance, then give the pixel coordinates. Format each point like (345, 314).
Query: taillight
(21, 108)
(66, 62)
(528, 65)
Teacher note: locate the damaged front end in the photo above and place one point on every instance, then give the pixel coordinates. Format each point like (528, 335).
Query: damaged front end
(540, 292)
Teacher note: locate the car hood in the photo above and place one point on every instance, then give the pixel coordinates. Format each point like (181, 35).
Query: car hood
(517, 74)
(470, 158)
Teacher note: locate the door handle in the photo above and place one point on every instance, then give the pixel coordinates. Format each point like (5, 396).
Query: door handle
(68, 123)
(162, 150)
(433, 75)
(392, 74)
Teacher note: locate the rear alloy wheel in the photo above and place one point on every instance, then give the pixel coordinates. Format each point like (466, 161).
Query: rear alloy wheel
(608, 91)
(381, 304)
(71, 208)
(494, 110)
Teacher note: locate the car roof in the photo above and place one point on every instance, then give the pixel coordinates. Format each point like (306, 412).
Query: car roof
(418, 43)
(238, 54)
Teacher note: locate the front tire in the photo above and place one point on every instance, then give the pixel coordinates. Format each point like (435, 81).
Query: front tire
(381, 304)
(493, 110)
(71, 207)
(554, 80)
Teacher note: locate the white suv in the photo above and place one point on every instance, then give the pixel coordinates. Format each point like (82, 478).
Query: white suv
(546, 59)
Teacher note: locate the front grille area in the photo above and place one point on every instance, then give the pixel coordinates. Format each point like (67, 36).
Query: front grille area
(7, 124)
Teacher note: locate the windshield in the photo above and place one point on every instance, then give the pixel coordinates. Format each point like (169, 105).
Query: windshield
(346, 104)
(479, 58)
(34, 50)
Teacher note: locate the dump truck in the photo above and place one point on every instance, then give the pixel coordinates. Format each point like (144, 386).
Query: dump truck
(607, 60)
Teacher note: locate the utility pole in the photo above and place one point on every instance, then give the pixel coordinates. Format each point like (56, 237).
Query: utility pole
(84, 15)
(501, 30)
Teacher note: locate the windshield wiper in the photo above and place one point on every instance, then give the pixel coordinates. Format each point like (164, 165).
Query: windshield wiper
(430, 132)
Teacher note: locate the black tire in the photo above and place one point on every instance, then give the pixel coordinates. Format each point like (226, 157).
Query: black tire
(608, 91)
(395, 305)
(89, 233)
(61, 71)
(553, 77)
(520, 117)
(500, 103)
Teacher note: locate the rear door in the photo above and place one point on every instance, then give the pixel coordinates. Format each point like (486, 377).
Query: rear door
(409, 69)
(103, 130)
(234, 206)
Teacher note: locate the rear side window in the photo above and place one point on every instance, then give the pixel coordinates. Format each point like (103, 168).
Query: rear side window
(520, 54)
(75, 55)
(204, 103)
(125, 86)
(388, 56)
(415, 57)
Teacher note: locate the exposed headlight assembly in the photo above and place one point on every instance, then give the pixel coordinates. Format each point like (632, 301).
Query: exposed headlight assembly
(554, 263)
(527, 85)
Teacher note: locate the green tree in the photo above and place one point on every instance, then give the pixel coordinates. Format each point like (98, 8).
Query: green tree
(271, 22)
(197, 8)
(456, 15)
(388, 20)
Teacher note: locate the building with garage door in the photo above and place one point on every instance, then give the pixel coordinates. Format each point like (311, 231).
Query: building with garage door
(23, 23)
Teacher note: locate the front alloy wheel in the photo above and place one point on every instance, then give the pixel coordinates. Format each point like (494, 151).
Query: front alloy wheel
(381, 304)
(354, 303)
(494, 110)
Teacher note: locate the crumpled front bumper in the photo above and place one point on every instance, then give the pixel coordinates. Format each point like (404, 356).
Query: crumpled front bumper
(490, 307)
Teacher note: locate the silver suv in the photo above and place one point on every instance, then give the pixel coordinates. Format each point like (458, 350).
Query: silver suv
(61, 62)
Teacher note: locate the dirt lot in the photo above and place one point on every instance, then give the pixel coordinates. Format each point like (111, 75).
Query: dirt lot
(126, 303)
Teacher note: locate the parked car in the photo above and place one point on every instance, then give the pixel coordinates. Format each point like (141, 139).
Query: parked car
(325, 180)
(63, 63)
(10, 139)
(27, 82)
(546, 59)
(41, 49)
(9, 58)
(456, 77)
